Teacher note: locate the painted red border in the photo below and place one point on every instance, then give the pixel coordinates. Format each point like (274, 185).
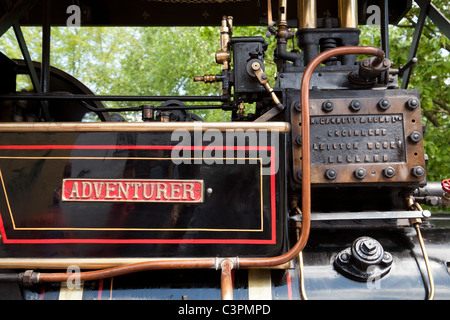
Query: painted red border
(272, 240)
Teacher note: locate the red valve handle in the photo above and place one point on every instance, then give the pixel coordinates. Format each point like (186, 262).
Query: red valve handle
(446, 185)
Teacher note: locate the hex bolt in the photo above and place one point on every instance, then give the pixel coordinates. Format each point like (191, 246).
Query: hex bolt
(384, 104)
(296, 105)
(415, 136)
(389, 172)
(412, 103)
(327, 106)
(417, 171)
(331, 174)
(360, 173)
(355, 105)
(298, 140)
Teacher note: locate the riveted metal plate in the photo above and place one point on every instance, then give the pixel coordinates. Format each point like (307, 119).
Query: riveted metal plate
(360, 144)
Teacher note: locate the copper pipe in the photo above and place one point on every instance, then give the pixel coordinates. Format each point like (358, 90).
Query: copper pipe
(130, 268)
(226, 281)
(348, 13)
(209, 263)
(306, 155)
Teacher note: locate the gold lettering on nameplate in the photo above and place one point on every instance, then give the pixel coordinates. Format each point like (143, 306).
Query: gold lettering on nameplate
(123, 190)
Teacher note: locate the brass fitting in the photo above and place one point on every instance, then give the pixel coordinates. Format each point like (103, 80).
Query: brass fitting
(208, 78)
(264, 81)
(223, 56)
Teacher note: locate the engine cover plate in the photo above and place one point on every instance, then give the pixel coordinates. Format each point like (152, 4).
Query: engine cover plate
(364, 136)
(86, 192)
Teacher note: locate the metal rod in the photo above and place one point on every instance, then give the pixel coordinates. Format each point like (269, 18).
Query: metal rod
(87, 97)
(45, 59)
(427, 262)
(385, 27)
(156, 108)
(409, 64)
(439, 19)
(307, 14)
(25, 53)
(27, 57)
(302, 276)
(415, 42)
(19, 9)
(282, 12)
(302, 273)
(348, 13)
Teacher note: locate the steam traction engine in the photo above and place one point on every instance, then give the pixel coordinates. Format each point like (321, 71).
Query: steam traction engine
(317, 194)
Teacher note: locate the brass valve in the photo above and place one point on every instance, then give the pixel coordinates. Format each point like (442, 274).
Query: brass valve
(223, 56)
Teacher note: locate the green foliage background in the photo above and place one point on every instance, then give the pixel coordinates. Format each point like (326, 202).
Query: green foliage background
(163, 61)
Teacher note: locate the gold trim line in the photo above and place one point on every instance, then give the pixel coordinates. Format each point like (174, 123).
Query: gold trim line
(140, 126)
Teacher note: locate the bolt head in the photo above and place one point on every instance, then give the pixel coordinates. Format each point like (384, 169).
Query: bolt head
(415, 136)
(418, 171)
(412, 103)
(384, 104)
(331, 174)
(389, 172)
(327, 106)
(360, 173)
(368, 246)
(298, 140)
(355, 105)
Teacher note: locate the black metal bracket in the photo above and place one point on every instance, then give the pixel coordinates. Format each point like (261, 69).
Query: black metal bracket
(427, 9)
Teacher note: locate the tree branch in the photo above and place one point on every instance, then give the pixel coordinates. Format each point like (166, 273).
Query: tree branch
(431, 37)
(442, 104)
(431, 117)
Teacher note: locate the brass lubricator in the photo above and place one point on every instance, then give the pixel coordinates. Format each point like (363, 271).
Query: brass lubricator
(223, 56)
